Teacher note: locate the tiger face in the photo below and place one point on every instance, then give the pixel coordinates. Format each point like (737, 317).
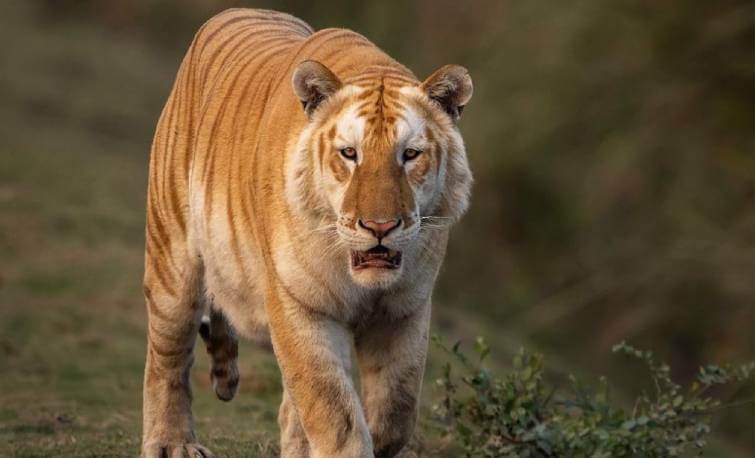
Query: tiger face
(382, 163)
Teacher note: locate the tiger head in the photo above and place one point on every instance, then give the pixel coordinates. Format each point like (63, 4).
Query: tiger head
(381, 163)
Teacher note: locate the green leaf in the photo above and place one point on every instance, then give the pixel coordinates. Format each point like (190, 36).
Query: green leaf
(481, 347)
(519, 414)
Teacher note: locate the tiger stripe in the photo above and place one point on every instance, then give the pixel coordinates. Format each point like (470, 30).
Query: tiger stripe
(255, 218)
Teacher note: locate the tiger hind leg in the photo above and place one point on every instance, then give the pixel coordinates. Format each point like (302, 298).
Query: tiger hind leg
(223, 348)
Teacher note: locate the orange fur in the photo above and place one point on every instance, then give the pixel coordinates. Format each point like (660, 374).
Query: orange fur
(253, 212)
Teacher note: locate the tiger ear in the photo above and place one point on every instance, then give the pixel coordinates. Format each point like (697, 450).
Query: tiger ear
(313, 82)
(451, 87)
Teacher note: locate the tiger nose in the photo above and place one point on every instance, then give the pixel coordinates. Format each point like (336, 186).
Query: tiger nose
(380, 229)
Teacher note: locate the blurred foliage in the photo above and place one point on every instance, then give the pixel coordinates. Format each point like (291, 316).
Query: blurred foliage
(519, 415)
(612, 145)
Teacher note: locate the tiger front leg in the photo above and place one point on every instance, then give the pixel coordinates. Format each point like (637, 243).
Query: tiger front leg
(294, 441)
(320, 403)
(174, 314)
(391, 357)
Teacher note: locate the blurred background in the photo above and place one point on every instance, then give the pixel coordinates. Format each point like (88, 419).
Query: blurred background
(614, 152)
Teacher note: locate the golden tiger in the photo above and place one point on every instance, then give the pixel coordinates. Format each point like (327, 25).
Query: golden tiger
(318, 214)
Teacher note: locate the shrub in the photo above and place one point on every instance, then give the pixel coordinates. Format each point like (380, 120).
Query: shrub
(520, 415)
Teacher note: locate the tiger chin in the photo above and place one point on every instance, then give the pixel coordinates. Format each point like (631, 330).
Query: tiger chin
(301, 191)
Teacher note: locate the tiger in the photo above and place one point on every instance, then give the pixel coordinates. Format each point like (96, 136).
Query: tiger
(302, 186)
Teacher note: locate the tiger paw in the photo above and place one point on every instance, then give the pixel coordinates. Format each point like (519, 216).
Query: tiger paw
(187, 450)
(225, 380)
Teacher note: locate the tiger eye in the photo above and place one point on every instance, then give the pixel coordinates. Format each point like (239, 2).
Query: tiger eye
(411, 154)
(349, 153)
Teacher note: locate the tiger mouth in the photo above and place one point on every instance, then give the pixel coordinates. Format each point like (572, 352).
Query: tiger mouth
(377, 257)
